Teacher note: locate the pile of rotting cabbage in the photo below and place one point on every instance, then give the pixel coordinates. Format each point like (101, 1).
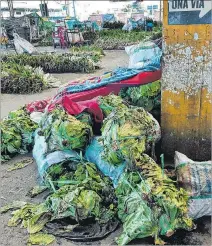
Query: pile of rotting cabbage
(146, 96)
(149, 203)
(82, 199)
(79, 193)
(63, 131)
(17, 132)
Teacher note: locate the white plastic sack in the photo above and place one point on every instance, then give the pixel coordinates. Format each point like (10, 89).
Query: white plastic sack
(195, 177)
(22, 45)
(198, 175)
(180, 158)
(127, 27)
(142, 54)
(200, 207)
(157, 130)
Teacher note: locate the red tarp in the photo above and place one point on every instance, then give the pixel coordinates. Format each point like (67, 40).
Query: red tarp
(76, 103)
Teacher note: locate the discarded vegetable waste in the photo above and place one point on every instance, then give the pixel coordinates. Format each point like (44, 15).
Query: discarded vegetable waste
(64, 132)
(21, 164)
(88, 195)
(16, 134)
(126, 132)
(146, 96)
(145, 212)
(145, 200)
(40, 239)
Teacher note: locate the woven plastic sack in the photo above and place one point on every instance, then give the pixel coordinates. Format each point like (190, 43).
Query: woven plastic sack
(200, 207)
(195, 177)
(144, 54)
(94, 154)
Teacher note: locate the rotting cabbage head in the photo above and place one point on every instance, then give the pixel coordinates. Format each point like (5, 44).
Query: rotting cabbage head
(110, 103)
(17, 134)
(128, 132)
(146, 96)
(64, 132)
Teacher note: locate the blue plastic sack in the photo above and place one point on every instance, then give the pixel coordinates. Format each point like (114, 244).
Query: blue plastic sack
(45, 160)
(94, 154)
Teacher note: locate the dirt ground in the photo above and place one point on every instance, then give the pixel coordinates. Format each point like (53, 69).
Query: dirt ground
(15, 185)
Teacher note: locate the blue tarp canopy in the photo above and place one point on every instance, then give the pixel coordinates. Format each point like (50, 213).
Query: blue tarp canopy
(108, 18)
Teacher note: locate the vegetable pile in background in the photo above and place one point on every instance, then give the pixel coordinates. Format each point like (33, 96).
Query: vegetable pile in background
(20, 79)
(113, 25)
(113, 38)
(17, 132)
(46, 41)
(119, 39)
(95, 52)
(89, 35)
(55, 63)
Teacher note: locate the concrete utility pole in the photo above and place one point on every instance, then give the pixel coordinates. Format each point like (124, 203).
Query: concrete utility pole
(186, 107)
(74, 8)
(160, 12)
(10, 6)
(44, 8)
(67, 7)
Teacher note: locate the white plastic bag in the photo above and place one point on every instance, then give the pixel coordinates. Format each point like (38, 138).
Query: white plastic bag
(142, 54)
(44, 159)
(36, 116)
(195, 177)
(22, 45)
